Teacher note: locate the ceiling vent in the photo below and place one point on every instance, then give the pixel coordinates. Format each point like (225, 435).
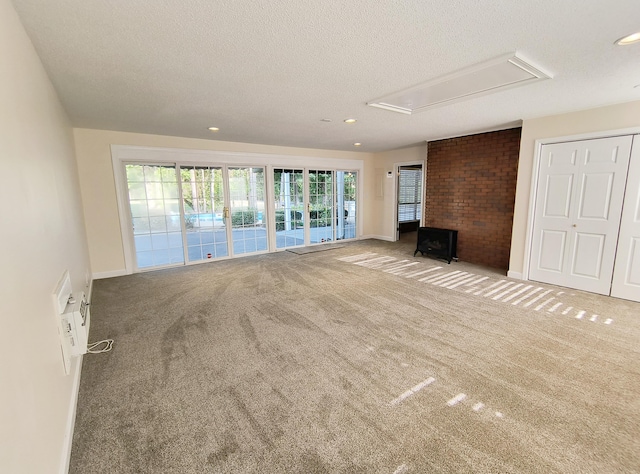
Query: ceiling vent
(483, 78)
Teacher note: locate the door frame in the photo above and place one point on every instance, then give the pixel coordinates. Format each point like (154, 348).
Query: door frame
(121, 154)
(396, 172)
(533, 191)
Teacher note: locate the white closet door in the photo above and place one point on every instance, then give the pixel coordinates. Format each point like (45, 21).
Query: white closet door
(577, 214)
(626, 275)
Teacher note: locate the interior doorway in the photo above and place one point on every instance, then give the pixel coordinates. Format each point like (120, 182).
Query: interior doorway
(409, 198)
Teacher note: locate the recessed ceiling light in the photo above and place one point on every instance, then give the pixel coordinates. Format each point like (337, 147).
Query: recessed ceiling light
(357, 144)
(214, 129)
(629, 39)
(350, 120)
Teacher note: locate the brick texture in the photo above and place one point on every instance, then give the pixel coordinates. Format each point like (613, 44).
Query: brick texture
(470, 187)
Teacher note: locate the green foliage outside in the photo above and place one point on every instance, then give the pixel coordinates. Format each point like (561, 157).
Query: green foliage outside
(201, 189)
(296, 219)
(320, 217)
(244, 218)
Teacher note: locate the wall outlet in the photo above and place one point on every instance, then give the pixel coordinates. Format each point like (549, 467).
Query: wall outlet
(75, 326)
(64, 329)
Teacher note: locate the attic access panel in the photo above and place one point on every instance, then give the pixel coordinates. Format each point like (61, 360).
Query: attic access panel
(481, 79)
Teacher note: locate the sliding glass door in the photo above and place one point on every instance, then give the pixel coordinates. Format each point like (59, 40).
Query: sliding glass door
(203, 204)
(183, 213)
(321, 206)
(346, 196)
(332, 205)
(154, 203)
(288, 190)
(247, 210)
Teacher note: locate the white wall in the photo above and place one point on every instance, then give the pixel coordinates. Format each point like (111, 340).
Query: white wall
(602, 119)
(42, 236)
(99, 193)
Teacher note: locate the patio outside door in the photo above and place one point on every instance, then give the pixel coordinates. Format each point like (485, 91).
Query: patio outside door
(321, 206)
(203, 204)
(288, 190)
(346, 192)
(247, 210)
(332, 205)
(184, 214)
(154, 203)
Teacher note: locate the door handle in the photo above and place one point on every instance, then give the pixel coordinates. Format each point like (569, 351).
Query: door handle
(225, 212)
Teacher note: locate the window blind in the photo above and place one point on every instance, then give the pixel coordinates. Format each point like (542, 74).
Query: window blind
(410, 195)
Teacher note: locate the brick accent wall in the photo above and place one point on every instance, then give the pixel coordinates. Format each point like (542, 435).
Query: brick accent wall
(471, 187)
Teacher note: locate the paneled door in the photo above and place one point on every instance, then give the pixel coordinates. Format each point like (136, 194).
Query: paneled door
(577, 212)
(626, 273)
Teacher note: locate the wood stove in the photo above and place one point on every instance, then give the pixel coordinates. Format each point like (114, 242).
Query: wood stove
(440, 243)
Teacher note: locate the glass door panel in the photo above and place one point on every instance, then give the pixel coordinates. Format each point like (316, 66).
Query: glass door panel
(154, 201)
(346, 195)
(247, 210)
(203, 204)
(289, 196)
(321, 206)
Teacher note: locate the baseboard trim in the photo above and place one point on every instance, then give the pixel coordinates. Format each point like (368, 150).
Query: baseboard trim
(111, 274)
(71, 418)
(516, 275)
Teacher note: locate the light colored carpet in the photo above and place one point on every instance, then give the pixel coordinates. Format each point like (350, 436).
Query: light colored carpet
(341, 363)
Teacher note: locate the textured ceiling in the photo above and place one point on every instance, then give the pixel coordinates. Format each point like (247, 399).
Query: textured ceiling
(268, 72)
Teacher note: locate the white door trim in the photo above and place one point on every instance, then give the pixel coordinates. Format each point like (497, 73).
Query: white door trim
(535, 175)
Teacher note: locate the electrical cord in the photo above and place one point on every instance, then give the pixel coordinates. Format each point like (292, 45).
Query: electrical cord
(91, 348)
